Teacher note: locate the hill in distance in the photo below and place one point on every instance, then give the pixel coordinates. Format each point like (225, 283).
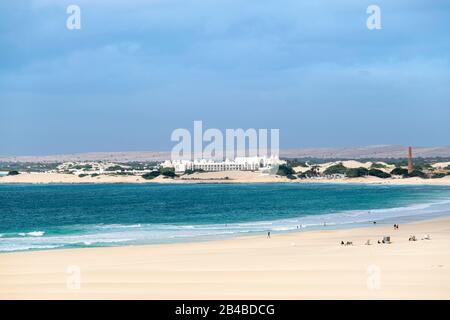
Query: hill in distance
(374, 151)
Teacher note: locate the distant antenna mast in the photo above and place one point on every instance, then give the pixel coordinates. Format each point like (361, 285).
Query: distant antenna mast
(410, 163)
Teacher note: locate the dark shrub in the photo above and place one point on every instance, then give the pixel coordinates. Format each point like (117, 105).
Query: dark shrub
(356, 172)
(379, 173)
(13, 173)
(416, 173)
(114, 168)
(308, 174)
(438, 175)
(189, 171)
(291, 177)
(168, 172)
(399, 171)
(150, 175)
(377, 166)
(285, 170)
(335, 169)
(423, 166)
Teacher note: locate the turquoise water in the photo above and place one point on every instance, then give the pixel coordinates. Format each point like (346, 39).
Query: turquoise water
(36, 217)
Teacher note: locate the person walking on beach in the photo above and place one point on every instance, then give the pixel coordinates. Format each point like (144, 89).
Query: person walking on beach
(268, 234)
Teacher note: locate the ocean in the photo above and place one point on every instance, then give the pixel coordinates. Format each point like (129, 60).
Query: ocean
(35, 217)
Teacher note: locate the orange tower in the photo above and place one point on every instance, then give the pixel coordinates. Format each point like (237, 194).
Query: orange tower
(410, 163)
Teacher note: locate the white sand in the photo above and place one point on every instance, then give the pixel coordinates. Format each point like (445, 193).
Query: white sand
(303, 265)
(208, 177)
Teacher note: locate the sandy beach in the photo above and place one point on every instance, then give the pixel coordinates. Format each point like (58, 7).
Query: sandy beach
(301, 265)
(208, 177)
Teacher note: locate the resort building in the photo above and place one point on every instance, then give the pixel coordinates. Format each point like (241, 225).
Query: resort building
(238, 164)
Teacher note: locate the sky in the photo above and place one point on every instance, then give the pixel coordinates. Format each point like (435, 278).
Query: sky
(137, 70)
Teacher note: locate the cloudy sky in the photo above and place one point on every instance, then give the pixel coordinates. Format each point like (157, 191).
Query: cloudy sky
(137, 70)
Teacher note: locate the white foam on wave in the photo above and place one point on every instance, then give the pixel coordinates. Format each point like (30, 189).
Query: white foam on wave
(27, 247)
(98, 235)
(32, 234)
(99, 241)
(119, 226)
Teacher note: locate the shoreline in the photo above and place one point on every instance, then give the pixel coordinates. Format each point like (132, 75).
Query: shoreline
(253, 235)
(209, 178)
(293, 265)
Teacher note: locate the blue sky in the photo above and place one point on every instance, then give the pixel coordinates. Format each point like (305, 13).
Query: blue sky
(139, 69)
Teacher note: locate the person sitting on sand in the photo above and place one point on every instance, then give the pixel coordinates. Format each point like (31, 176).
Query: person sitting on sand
(342, 243)
(412, 238)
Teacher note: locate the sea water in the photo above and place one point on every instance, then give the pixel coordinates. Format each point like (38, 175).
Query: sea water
(34, 217)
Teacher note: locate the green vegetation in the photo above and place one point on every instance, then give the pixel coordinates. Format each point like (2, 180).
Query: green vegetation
(28, 166)
(416, 173)
(168, 172)
(308, 174)
(151, 175)
(137, 165)
(115, 168)
(82, 175)
(376, 165)
(296, 163)
(81, 167)
(438, 175)
(285, 170)
(447, 167)
(379, 173)
(336, 169)
(399, 171)
(291, 177)
(422, 167)
(189, 171)
(13, 173)
(122, 173)
(356, 172)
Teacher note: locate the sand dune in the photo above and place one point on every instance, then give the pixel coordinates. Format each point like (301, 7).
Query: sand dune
(208, 177)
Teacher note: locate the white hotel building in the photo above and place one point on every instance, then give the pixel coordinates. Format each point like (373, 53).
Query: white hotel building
(264, 164)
